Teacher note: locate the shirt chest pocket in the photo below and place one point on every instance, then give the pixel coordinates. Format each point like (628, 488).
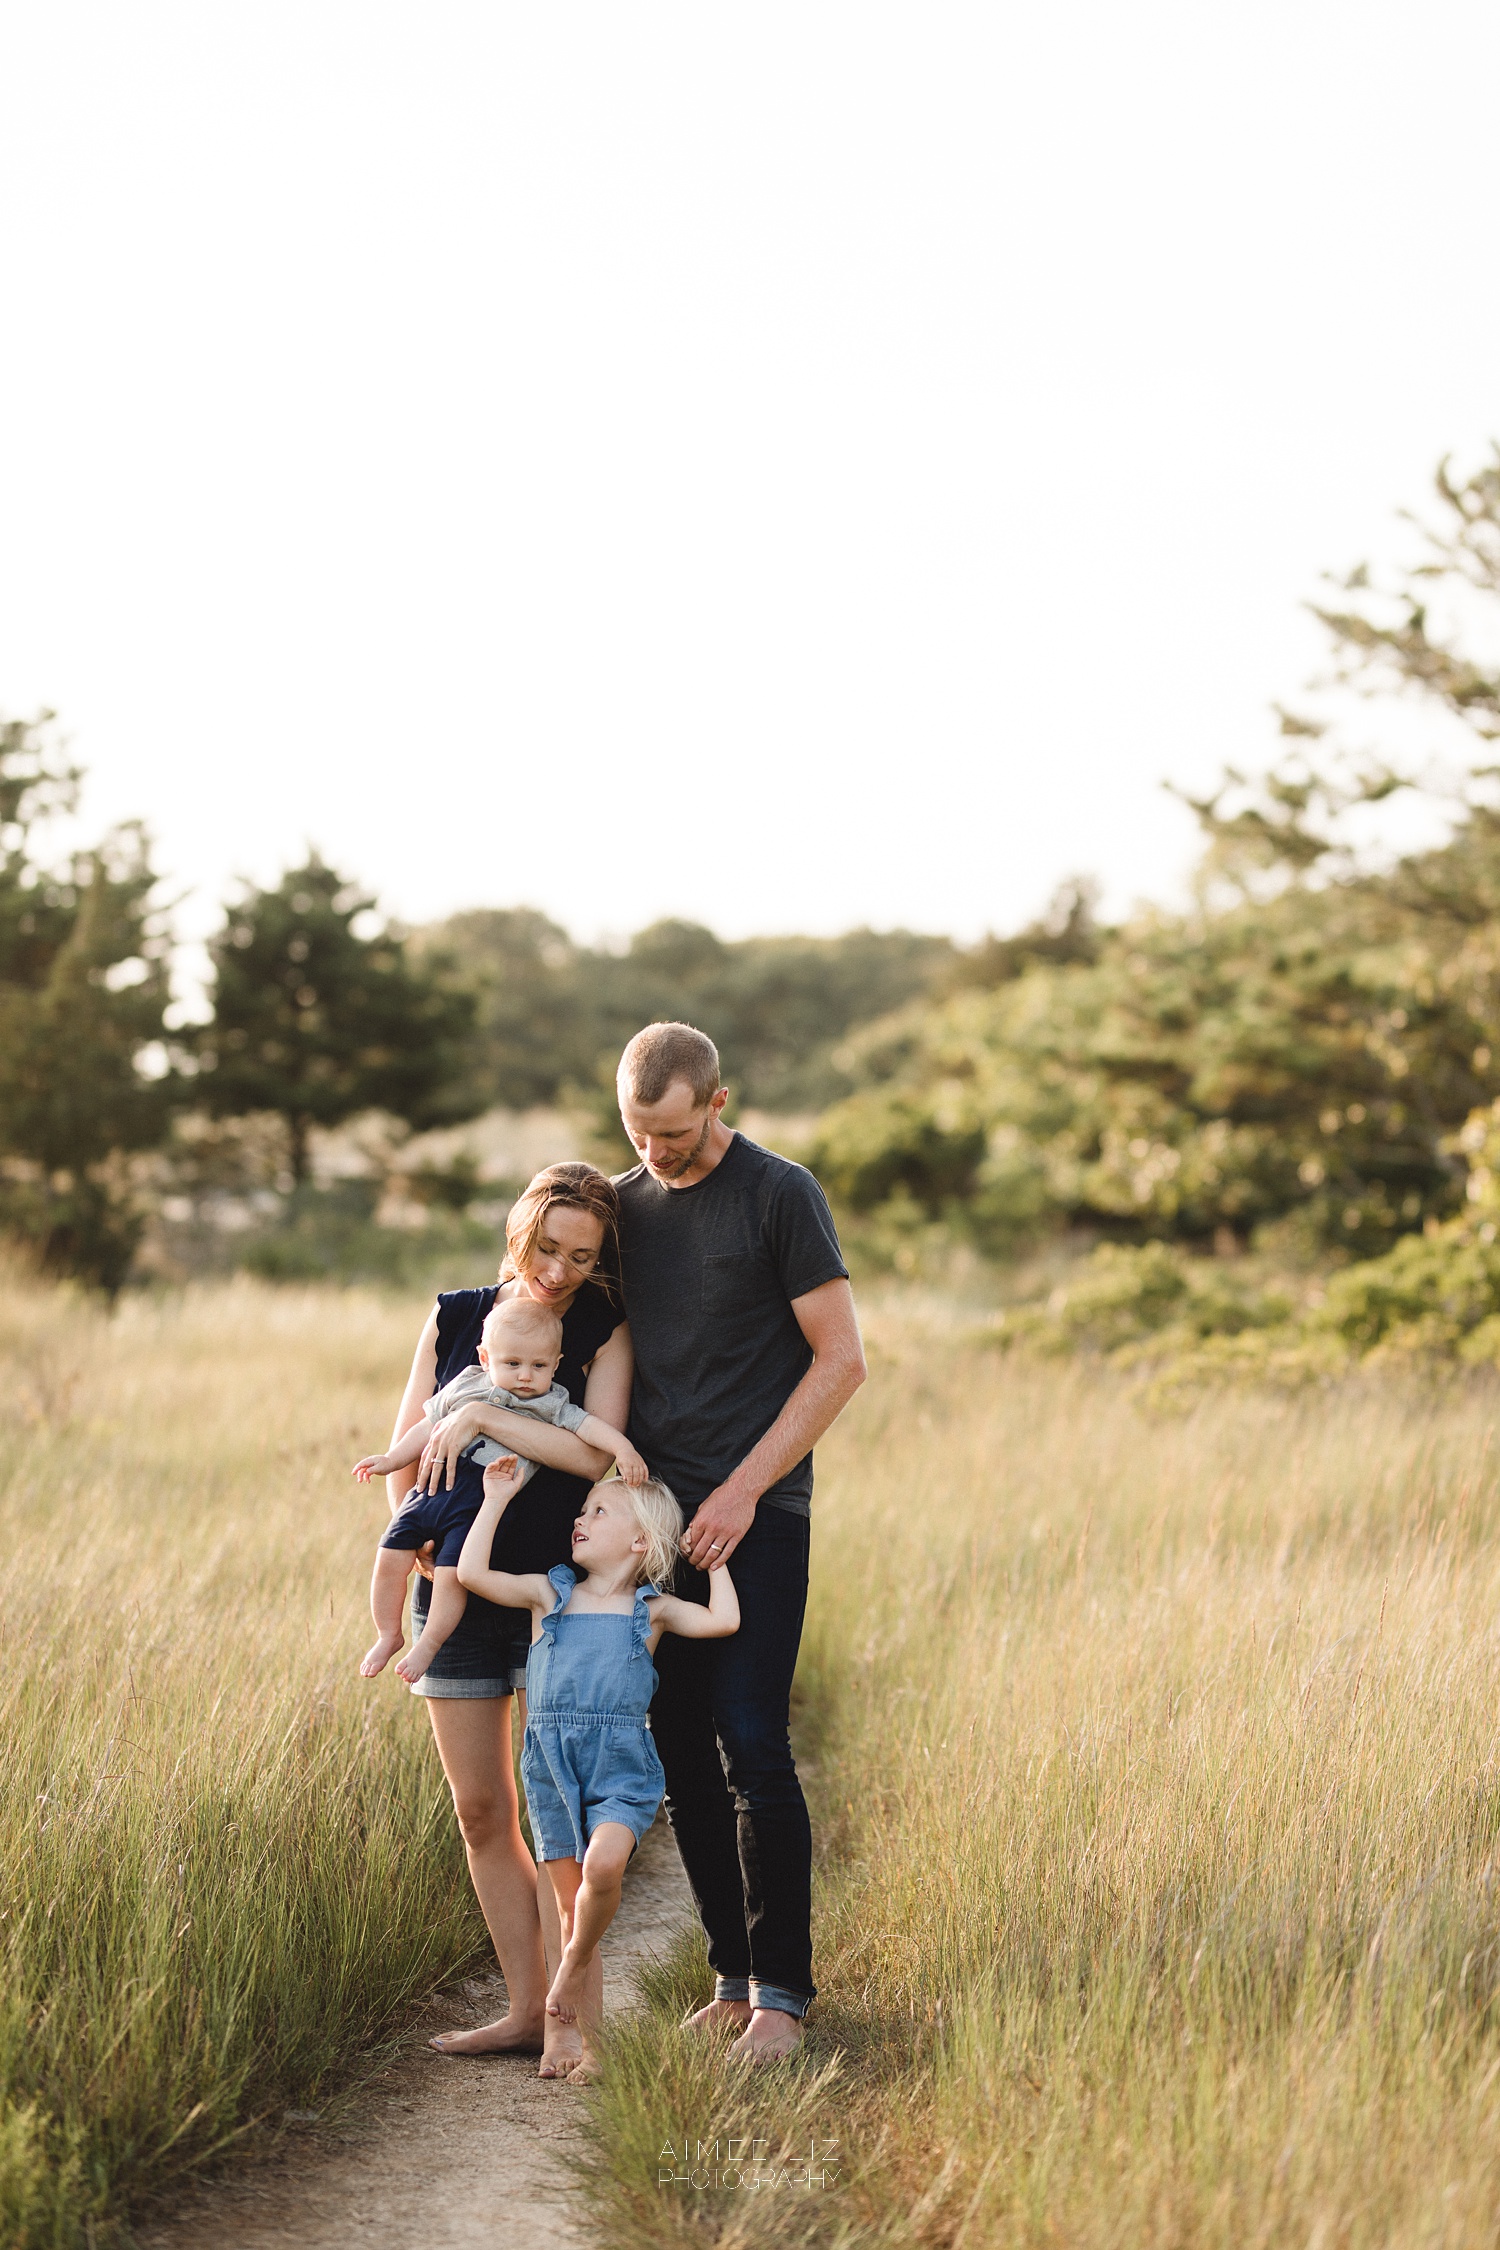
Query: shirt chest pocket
(734, 1285)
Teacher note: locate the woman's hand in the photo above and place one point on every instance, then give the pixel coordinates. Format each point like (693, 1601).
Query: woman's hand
(440, 1455)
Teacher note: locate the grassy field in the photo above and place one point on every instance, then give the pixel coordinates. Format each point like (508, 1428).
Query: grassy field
(1154, 1768)
(1153, 1763)
(226, 1864)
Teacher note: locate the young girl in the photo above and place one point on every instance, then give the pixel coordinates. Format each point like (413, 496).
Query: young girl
(593, 1779)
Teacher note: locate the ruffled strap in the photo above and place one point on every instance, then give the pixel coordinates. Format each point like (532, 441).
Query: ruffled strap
(562, 1581)
(641, 1616)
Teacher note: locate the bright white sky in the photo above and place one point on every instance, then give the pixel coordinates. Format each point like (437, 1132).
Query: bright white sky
(790, 466)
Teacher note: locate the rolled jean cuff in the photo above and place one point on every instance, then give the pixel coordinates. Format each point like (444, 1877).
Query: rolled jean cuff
(731, 1988)
(777, 1996)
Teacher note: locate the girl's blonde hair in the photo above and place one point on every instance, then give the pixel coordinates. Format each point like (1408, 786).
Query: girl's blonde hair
(570, 1187)
(654, 1506)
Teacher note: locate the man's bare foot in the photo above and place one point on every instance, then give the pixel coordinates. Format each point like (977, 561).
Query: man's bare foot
(507, 2035)
(719, 2015)
(415, 1663)
(376, 1659)
(567, 1987)
(586, 2072)
(770, 2036)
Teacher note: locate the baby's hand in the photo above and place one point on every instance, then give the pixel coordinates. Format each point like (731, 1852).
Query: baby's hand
(630, 1465)
(373, 1465)
(502, 1479)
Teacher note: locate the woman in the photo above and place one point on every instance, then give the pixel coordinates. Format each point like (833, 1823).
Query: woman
(562, 1249)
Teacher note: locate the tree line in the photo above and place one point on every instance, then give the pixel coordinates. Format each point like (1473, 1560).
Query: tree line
(1289, 1064)
(319, 1009)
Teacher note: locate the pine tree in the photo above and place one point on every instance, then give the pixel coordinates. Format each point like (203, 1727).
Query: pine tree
(83, 987)
(316, 1021)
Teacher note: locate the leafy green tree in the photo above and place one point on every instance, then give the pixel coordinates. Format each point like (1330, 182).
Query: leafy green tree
(553, 1016)
(316, 1020)
(1295, 1054)
(534, 1006)
(1418, 634)
(83, 987)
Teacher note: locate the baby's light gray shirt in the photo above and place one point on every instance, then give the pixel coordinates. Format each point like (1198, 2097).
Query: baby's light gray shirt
(474, 1388)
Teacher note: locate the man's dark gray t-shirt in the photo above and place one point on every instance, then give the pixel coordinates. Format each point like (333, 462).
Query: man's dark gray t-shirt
(709, 1273)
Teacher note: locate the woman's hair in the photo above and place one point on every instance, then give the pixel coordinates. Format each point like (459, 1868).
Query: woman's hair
(565, 1187)
(657, 1514)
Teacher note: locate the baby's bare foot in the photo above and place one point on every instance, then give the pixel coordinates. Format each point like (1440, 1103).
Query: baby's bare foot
(415, 1662)
(376, 1659)
(567, 1987)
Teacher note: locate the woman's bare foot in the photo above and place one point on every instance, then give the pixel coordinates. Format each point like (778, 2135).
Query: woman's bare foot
(507, 2035)
(375, 1659)
(770, 2036)
(567, 1987)
(719, 2015)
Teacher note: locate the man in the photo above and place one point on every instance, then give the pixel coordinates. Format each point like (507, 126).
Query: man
(746, 1348)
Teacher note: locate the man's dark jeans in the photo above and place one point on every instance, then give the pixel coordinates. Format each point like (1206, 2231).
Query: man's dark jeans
(720, 1722)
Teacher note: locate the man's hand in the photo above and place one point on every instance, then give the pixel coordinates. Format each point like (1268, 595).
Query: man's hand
(440, 1455)
(718, 1527)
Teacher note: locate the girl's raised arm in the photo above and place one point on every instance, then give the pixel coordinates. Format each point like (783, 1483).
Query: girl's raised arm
(511, 1589)
(692, 1620)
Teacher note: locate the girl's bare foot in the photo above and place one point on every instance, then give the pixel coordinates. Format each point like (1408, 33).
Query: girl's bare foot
(562, 2050)
(507, 2035)
(413, 1664)
(719, 2015)
(567, 1987)
(375, 1659)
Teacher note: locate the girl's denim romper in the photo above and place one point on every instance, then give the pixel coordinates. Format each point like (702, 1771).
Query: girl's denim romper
(587, 1757)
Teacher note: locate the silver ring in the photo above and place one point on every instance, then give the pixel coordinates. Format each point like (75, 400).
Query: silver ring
(714, 1545)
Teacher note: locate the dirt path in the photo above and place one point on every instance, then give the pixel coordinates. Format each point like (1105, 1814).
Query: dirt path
(450, 2154)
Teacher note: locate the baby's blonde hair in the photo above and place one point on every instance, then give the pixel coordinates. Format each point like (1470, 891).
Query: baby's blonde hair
(525, 1314)
(654, 1506)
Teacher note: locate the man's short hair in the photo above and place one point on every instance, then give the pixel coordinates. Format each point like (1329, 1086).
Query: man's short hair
(664, 1052)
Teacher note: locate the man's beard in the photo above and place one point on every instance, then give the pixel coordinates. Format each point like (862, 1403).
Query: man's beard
(686, 1163)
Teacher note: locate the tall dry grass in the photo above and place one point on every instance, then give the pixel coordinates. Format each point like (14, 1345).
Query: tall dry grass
(1154, 1768)
(226, 1863)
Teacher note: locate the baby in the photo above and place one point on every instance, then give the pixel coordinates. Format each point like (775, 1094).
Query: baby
(518, 1354)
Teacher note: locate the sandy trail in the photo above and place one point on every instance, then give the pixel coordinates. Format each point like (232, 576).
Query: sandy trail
(448, 2153)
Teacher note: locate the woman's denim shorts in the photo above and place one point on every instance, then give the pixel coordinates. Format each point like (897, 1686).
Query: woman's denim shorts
(484, 1657)
(446, 1690)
